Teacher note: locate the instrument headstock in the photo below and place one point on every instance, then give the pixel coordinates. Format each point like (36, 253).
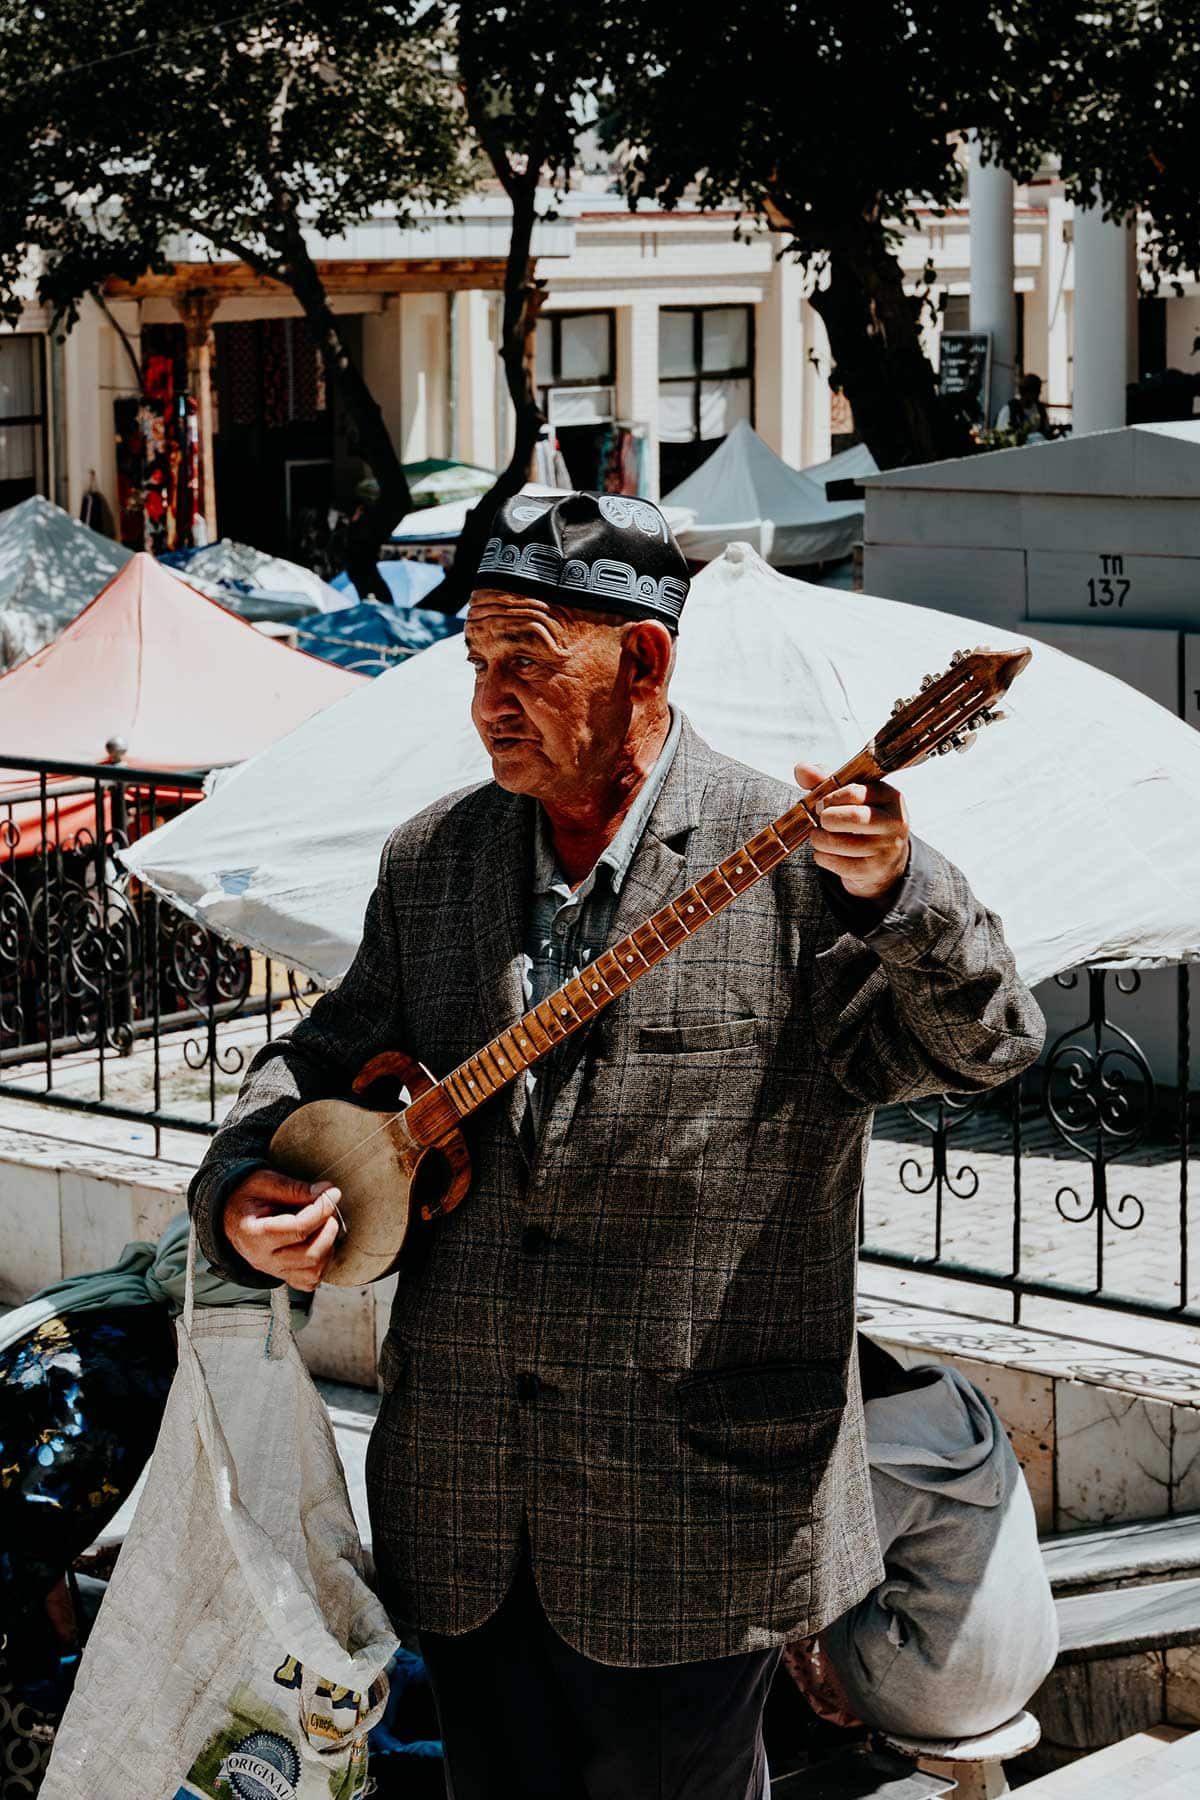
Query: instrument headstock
(949, 710)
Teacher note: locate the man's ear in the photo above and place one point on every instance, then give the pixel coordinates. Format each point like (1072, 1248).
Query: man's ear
(649, 646)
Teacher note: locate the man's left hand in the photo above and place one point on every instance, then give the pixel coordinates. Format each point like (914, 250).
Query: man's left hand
(864, 834)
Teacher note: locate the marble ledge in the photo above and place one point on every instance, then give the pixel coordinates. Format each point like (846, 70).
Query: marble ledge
(1147, 1376)
(26, 1149)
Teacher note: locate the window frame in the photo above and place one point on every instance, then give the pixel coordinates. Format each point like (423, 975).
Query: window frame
(554, 320)
(40, 419)
(744, 372)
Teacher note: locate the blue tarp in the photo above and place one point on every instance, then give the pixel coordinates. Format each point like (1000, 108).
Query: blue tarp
(408, 581)
(370, 637)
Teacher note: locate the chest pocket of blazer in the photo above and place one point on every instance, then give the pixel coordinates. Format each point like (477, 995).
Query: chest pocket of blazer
(692, 1040)
(764, 1416)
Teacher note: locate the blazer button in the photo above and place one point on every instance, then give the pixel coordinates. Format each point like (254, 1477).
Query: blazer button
(534, 1240)
(528, 1387)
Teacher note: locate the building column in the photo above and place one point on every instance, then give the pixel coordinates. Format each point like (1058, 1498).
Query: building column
(1105, 320)
(993, 302)
(424, 377)
(817, 402)
(381, 356)
(779, 359)
(637, 377)
(476, 385)
(1059, 228)
(196, 307)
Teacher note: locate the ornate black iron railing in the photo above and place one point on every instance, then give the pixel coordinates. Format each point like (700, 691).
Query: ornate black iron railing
(95, 966)
(1071, 1184)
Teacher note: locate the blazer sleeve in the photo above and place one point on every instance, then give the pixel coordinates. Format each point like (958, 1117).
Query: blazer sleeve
(924, 1000)
(320, 1058)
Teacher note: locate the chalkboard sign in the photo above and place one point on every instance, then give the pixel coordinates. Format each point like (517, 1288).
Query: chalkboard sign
(966, 372)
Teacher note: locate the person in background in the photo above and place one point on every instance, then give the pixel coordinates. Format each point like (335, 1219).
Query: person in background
(1027, 412)
(962, 1629)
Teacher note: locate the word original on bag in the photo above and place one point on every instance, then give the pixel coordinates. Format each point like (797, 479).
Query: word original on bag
(265, 1766)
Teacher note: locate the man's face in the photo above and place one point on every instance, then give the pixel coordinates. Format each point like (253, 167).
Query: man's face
(550, 702)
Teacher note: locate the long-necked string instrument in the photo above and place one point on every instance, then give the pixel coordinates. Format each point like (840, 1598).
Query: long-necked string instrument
(388, 1165)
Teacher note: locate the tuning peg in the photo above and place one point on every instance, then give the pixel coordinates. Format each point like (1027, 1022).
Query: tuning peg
(963, 743)
(976, 722)
(927, 681)
(959, 656)
(997, 715)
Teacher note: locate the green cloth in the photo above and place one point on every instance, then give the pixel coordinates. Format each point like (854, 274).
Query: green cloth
(146, 1275)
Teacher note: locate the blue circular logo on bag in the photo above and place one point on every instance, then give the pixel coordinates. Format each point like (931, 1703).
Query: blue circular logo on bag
(264, 1766)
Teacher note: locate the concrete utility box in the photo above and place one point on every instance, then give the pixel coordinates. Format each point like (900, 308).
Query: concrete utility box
(1089, 544)
(1098, 530)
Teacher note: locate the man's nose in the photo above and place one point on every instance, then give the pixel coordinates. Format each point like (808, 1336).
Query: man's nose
(494, 698)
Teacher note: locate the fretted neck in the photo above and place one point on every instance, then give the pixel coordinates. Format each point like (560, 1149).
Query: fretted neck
(507, 1056)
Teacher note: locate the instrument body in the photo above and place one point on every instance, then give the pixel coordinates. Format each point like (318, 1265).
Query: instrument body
(392, 1165)
(385, 1163)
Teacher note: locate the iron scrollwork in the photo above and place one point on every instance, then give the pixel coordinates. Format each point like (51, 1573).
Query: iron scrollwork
(207, 972)
(951, 1111)
(1099, 1096)
(86, 940)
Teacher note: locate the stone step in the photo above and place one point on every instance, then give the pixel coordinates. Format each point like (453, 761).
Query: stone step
(1070, 1782)
(1162, 1773)
(858, 1775)
(1147, 1550)
(1119, 1621)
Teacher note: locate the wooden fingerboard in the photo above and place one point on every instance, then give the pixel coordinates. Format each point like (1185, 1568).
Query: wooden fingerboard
(588, 993)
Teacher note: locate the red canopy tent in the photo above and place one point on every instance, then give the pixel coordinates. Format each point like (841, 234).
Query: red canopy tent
(181, 681)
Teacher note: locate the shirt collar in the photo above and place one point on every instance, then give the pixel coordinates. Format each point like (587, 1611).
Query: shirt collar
(617, 856)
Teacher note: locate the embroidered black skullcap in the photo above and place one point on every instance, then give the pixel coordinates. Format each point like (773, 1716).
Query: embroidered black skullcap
(605, 552)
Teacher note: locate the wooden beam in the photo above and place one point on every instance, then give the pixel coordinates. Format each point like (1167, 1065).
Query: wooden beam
(395, 275)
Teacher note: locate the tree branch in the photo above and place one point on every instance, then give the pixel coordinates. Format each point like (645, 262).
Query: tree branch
(126, 340)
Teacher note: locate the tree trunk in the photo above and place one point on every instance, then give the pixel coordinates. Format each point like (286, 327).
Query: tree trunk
(523, 296)
(373, 522)
(872, 325)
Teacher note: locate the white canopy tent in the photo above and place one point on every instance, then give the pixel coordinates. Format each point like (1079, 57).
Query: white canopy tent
(743, 492)
(1075, 820)
(444, 524)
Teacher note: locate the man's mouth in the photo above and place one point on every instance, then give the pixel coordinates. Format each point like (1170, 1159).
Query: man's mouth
(507, 743)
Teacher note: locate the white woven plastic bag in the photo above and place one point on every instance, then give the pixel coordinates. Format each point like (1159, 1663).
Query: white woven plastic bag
(239, 1649)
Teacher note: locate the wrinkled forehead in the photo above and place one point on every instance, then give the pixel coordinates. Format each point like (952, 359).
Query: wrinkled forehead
(496, 617)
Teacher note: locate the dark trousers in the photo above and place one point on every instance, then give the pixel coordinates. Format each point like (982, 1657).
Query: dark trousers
(526, 1717)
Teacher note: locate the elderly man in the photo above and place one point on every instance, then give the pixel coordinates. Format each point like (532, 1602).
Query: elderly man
(620, 1458)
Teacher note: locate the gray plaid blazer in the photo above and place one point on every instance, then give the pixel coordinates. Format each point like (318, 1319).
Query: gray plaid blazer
(641, 1341)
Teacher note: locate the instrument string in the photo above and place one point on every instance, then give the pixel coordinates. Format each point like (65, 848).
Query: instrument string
(942, 704)
(356, 1152)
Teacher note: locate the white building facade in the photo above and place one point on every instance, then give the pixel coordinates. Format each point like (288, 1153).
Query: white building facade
(659, 332)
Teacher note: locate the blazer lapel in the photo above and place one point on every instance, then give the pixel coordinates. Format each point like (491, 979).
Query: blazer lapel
(657, 869)
(498, 911)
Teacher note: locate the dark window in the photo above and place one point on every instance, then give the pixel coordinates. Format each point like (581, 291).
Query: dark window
(956, 312)
(1152, 335)
(576, 376)
(705, 383)
(23, 468)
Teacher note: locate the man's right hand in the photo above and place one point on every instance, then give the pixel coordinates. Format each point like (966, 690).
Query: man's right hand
(284, 1228)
